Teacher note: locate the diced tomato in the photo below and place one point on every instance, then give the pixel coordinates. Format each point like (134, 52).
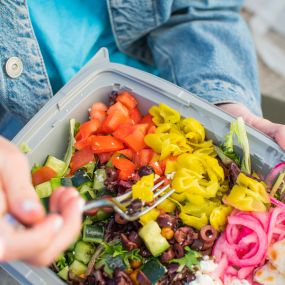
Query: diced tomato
(147, 119)
(125, 166)
(105, 144)
(88, 128)
(42, 175)
(145, 156)
(155, 164)
(113, 121)
(100, 116)
(98, 106)
(156, 167)
(151, 130)
(118, 107)
(162, 164)
(172, 158)
(80, 158)
(127, 99)
(125, 174)
(141, 127)
(165, 180)
(83, 143)
(135, 115)
(135, 140)
(98, 111)
(122, 163)
(127, 152)
(122, 131)
(104, 156)
(136, 159)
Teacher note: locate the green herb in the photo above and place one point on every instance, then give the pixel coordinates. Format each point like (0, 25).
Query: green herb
(238, 129)
(76, 128)
(226, 160)
(35, 167)
(24, 148)
(89, 168)
(189, 259)
(61, 262)
(118, 250)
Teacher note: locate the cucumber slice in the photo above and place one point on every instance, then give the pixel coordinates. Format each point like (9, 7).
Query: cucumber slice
(80, 177)
(101, 216)
(99, 179)
(93, 233)
(44, 189)
(66, 181)
(87, 192)
(45, 203)
(77, 268)
(89, 168)
(63, 274)
(110, 263)
(56, 164)
(153, 270)
(83, 251)
(55, 182)
(154, 241)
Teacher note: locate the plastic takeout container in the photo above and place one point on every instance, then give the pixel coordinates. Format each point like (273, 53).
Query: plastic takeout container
(47, 133)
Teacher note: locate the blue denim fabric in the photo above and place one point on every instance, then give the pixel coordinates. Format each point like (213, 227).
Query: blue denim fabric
(202, 45)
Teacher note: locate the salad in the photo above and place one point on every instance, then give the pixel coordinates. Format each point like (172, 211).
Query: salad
(224, 224)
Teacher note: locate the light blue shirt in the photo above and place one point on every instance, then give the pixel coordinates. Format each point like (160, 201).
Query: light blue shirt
(69, 33)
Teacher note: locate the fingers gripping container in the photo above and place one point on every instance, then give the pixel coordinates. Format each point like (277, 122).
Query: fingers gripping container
(48, 132)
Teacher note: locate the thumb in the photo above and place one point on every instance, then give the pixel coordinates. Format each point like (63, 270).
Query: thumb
(275, 131)
(21, 198)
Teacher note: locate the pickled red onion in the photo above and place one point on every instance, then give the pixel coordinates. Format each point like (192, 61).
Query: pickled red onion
(271, 177)
(243, 245)
(276, 202)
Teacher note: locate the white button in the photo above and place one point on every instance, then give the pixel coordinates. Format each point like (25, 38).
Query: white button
(14, 67)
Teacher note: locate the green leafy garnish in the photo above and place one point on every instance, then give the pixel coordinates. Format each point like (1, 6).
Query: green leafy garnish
(189, 259)
(76, 128)
(35, 167)
(24, 148)
(238, 129)
(70, 147)
(61, 262)
(117, 249)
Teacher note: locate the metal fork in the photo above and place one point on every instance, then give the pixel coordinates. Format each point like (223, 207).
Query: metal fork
(120, 203)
